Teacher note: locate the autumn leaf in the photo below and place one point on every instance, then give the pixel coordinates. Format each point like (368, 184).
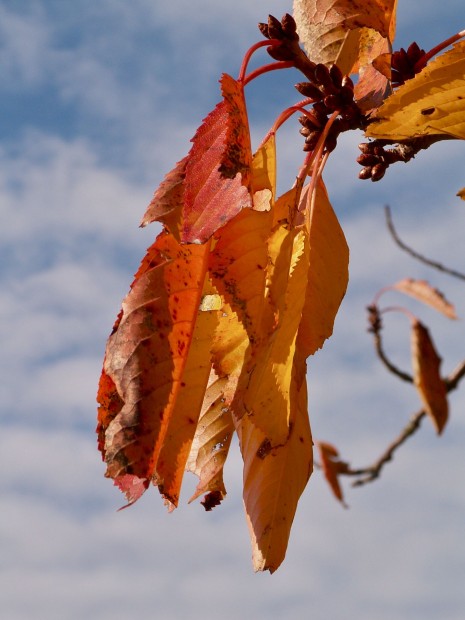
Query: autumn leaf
(168, 200)
(461, 193)
(426, 366)
(431, 103)
(328, 274)
(211, 442)
(217, 177)
(332, 467)
(147, 364)
(351, 34)
(424, 292)
(274, 479)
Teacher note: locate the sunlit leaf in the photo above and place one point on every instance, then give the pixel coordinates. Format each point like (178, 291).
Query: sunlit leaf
(424, 292)
(330, 29)
(274, 479)
(426, 366)
(218, 171)
(328, 274)
(267, 386)
(431, 103)
(146, 356)
(168, 199)
(211, 441)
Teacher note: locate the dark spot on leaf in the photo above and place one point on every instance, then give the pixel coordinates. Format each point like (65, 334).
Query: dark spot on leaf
(428, 111)
(264, 449)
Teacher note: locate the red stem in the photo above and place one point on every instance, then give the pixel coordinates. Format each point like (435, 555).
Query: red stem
(273, 66)
(438, 48)
(250, 51)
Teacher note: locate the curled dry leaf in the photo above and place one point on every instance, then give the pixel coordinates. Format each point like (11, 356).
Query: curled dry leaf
(426, 372)
(424, 292)
(332, 467)
(431, 103)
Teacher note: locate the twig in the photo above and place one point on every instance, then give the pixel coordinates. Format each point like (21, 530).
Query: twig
(370, 473)
(414, 254)
(376, 325)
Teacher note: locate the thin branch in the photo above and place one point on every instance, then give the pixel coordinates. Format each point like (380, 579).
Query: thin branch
(376, 325)
(414, 254)
(372, 472)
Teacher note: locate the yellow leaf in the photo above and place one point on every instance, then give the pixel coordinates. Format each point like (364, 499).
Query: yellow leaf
(264, 167)
(237, 266)
(431, 103)
(328, 273)
(274, 478)
(266, 394)
(426, 366)
(211, 441)
(424, 292)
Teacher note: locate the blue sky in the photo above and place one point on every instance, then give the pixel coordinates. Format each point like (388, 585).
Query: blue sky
(98, 102)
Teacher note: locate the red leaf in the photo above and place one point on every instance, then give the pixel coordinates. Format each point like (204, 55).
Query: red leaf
(332, 467)
(217, 183)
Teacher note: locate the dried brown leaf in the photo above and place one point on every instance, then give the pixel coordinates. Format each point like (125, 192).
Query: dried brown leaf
(426, 371)
(422, 291)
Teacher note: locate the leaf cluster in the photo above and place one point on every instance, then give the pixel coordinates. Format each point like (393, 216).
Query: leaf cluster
(242, 286)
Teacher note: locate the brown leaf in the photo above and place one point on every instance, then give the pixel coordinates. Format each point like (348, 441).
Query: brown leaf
(329, 29)
(426, 367)
(461, 193)
(424, 292)
(332, 467)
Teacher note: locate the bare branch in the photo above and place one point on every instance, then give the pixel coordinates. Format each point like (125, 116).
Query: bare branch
(414, 254)
(372, 472)
(375, 328)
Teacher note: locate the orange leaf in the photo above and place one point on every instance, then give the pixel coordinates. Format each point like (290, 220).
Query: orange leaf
(237, 266)
(168, 199)
(218, 176)
(424, 292)
(146, 358)
(461, 193)
(328, 273)
(430, 385)
(274, 479)
(332, 467)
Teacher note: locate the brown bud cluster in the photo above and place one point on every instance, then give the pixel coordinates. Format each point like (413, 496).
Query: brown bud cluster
(284, 31)
(375, 159)
(406, 64)
(374, 320)
(330, 91)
